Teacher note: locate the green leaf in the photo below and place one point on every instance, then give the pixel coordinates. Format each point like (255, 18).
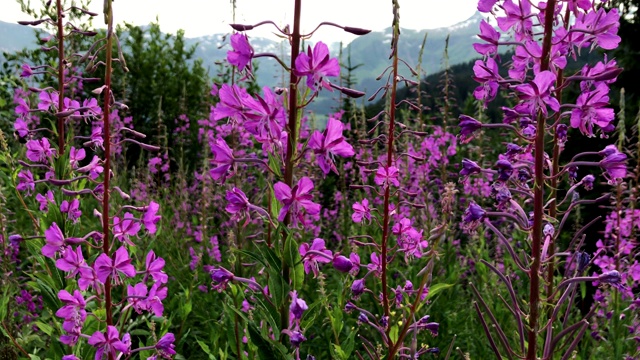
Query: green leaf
(45, 328)
(275, 166)
(583, 289)
(204, 347)
(293, 259)
(435, 289)
(278, 288)
(338, 353)
(267, 350)
(393, 334)
(275, 204)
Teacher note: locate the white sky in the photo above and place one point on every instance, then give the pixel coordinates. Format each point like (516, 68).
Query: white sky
(206, 17)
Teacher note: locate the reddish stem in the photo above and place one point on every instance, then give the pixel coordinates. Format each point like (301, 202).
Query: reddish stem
(291, 144)
(538, 201)
(61, 67)
(107, 163)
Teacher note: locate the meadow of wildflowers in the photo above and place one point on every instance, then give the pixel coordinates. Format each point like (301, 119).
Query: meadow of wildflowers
(259, 231)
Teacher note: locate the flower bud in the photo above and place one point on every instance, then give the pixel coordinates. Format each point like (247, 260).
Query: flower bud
(221, 275)
(357, 288)
(342, 263)
(356, 31)
(610, 277)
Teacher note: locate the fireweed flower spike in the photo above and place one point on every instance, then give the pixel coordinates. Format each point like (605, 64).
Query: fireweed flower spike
(316, 66)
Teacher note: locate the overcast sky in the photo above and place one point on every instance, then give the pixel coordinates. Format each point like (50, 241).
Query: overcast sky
(205, 17)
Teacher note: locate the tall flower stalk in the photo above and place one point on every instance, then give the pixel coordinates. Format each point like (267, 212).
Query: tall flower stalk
(541, 114)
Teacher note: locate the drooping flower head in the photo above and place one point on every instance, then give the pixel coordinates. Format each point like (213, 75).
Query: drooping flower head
(242, 52)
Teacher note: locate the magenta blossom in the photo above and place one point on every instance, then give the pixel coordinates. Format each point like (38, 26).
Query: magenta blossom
(44, 200)
(47, 99)
(26, 182)
(361, 211)
(328, 144)
(72, 209)
(73, 312)
(311, 261)
(537, 94)
(71, 261)
(490, 35)
(93, 168)
(591, 110)
(316, 66)
(20, 126)
(297, 307)
(121, 263)
(614, 163)
(107, 343)
(150, 217)
(165, 346)
(242, 52)
(296, 199)
(387, 176)
(222, 159)
(75, 156)
(40, 150)
(237, 204)
(55, 241)
(153, 268)
(123, 228)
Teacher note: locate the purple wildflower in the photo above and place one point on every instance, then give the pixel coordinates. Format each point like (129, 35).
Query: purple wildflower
(237, 204)
(311, 261)
(242, 52)
(361, 211)
(20, 126)
(165, 346)
(387, 176)
(222, 159)
(296, 199)
(150, 217)
(40, 150)
(328, 144)
(297, 307)
(153, 268)
(108, 342)
(121, 263)
(468, 126)
(316, 65)
(125, 227)
(73, 312)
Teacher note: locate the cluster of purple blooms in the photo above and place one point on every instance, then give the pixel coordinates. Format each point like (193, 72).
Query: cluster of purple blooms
(545, 36)
(61, 198)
